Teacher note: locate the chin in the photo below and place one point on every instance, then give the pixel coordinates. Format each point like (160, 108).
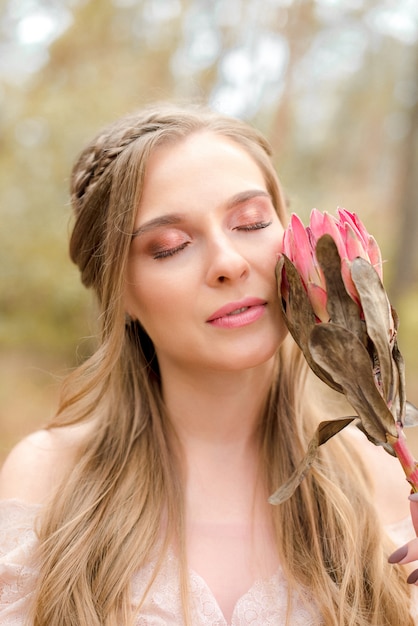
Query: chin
(248, 359)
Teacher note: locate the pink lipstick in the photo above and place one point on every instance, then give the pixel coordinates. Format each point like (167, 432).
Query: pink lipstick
(238, 314)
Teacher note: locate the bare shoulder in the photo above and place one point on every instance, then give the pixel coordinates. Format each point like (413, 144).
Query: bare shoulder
(37, 464)
(391, 488)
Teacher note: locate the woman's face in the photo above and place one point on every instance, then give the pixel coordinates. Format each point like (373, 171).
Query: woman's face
(200, 275)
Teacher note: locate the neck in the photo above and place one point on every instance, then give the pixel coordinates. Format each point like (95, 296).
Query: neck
(221, 409)
(216, 418)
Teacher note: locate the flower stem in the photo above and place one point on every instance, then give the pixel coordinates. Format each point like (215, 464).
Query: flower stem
(409, 465)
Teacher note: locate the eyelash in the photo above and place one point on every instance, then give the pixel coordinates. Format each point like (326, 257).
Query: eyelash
(170, 252)
(256, 226)
(163, 254)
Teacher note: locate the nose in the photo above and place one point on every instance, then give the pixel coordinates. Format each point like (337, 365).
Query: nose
(225, 263)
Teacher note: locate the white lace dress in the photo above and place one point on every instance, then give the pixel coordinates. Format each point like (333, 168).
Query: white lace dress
(264, 604)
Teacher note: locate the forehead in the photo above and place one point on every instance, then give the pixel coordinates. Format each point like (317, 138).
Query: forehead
(202, 163)
(196, 148)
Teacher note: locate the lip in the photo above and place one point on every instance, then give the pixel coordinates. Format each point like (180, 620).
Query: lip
(253, 309)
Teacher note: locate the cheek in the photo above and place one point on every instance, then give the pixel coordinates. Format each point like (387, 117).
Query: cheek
(279, 243)
(151, 296)
(274, 247)
(137, 293)
(279, 237)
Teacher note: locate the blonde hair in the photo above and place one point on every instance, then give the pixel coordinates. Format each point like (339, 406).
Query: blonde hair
(121, 506)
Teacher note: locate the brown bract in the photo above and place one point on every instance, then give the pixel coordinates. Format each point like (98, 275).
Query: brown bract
(355, 353)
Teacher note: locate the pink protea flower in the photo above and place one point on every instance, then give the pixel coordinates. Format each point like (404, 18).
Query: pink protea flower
(352, 241)
(336, 308)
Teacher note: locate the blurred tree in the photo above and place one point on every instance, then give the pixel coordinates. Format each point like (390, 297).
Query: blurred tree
(331, 83)
(406, 273)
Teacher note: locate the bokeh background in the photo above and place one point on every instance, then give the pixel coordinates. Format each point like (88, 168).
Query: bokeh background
(332, 83)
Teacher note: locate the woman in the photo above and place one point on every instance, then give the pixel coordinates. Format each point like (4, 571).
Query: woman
(148, 491)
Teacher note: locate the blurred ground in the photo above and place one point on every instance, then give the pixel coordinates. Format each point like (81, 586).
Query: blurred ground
(29, 387)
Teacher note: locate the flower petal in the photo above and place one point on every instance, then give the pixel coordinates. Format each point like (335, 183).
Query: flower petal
(302, 254)
(318, 298)
(288, 244)
(316, 223)
(351, 218)
(348, 281)
(353, 243)
(375, 256)
(332, 227)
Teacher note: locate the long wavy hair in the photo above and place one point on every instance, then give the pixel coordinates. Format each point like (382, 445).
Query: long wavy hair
(121, 506)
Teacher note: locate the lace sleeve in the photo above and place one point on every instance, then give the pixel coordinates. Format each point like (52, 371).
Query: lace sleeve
(17, 568)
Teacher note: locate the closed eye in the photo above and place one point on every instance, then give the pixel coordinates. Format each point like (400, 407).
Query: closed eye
(255, 226)
(162, 254)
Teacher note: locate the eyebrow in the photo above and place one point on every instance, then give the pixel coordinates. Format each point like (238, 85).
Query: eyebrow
(163, 220)
(244, 196)
(171, 219)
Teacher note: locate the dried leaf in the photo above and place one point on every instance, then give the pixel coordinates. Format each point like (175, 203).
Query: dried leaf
(323, 433)
(299, 313)
(383, 444)
(340, 306)
(395, 318)
(400, 368)
(299, 316)
(342, 354)
(378, 316)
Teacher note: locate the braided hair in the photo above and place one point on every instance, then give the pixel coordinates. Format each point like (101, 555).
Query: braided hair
(121, 151)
